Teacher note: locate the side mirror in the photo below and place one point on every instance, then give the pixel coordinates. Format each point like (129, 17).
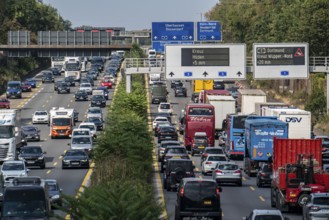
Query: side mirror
(62, 155)
(193, 167)
(27, 170)
(70, 135)
(60, 190)
(68, 144)
(44, 152)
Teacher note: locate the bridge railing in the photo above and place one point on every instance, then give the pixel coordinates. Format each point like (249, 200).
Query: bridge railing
(143, 62)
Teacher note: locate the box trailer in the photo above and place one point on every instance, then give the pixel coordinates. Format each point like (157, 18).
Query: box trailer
(247, 98)
(260, 106)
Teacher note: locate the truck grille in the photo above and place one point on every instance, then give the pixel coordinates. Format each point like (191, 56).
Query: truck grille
(3, 151)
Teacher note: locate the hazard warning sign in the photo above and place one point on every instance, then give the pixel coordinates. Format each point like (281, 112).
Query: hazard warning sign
(299, 53)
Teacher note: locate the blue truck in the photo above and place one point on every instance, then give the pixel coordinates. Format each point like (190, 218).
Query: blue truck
(259, 134)
(14, 89)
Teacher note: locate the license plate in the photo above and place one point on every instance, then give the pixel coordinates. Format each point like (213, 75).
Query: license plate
(81, 97)
(176, 157)
(207, 202)
(30, 162)
(75, 163)
(201, 147)
(168, 137)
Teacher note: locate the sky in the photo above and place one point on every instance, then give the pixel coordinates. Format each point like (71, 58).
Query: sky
(131, 14)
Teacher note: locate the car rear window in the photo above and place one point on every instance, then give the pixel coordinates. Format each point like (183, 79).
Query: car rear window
(217, 158)
(215, 151)
(168, 129)
(204, 189)
(165, 106)
(161, 119)
(268, 217)
(321, 201)
(267, 168)
(176, 151)
(228, 167)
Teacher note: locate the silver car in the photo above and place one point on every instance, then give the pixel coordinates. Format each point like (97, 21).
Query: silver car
(257, 214)
(227, 172)
(13, 168)
(95, 112)
(316, 207)
(81, 142)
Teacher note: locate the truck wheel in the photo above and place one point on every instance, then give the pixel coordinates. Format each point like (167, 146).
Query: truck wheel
(279, 205)
(192, 153)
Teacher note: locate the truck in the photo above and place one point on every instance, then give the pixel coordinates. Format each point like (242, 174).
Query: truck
(297, 172)
(259, 134)
(58, 62)
(247, 98)
(159, 93)
(203, 94)
(299, 120)
(199, 85)
(14, 89)
(11, 137)
(224, 105)
(72, 68)
(261, 106)
(61, 122)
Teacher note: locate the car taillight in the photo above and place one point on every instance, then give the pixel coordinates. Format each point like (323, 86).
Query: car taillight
(181, 192)
(205, 155)
(237, 172)
(315, 208)
(218, 171)
(217, 192)
(232, 145)
(208, 162)
(262, 174)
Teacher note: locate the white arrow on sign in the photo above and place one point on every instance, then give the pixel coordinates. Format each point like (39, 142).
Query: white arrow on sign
(155, 37)
(174, 37)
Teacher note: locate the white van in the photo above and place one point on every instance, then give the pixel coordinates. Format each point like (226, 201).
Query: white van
(152, 53)
(155, 77)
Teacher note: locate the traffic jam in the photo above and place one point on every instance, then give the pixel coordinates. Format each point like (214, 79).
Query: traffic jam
(221, 139)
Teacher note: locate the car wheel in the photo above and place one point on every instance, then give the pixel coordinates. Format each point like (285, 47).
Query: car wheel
(177, 214)
(240, 183)
(43, 166)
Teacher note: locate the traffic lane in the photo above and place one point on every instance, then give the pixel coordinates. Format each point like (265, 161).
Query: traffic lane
(245, 198)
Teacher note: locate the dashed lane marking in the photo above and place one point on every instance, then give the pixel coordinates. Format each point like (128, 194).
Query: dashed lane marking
(48, 171)
(55, 164)
(261, 198)
(252, 188)
(60, 157)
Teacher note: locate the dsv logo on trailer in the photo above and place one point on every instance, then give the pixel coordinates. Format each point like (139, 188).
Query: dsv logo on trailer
(293, 120)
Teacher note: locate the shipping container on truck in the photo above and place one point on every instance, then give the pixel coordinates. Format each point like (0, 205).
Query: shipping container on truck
(259, 134)
(299, 120)
(261, 106)
(297, 172)
(224, 104)
(247, 98)
(203, 94)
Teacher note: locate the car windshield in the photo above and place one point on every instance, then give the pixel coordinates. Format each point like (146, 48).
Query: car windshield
(268, 217)
(90, 127)
(29, 129)
(81, 140)
(321, 201)
(15, 86)
(217, 158)
(52, 187)
(61, 121)
(228, 167)
(81, 133)
(81, 92)
(94, 119)
(28, 204)
(214, 151)
(40, 113)
(72, 67)
(75, 153)
(48, 74)
(31, 150)
(98, 97)
(12, 166)
(94, 111)
(165, 106)
(7, 131)
(176, 151)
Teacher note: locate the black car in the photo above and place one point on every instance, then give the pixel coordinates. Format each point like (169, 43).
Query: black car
(33, 156)
(98, 100)
(112, 70)
(198, 198)
(97, 121)
(87, 80)
(47, 76)
(176, 83)
(56, 71)
(56, 84)
(81, 95)
(180, 92)
(264, 175)
(218, 85)
(167, 133)
(92, 74)
(176, 170)
(97, 66)
(75, 159)
(195, 97)
(55, 193)
(106, 91)
(63, 88)
(70, 80)
(31, 133)
(173, 152)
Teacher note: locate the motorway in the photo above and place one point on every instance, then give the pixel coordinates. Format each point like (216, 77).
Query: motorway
(44, 98)
(236, 202)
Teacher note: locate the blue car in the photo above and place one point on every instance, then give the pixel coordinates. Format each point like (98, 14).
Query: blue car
(32, 82)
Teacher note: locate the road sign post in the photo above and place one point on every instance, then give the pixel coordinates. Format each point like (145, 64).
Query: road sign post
(211, 61)
(280, 61)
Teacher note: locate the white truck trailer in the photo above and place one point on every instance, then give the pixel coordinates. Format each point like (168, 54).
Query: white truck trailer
(259, 106)
(224, 104)
(11, 138)
(299, 120)
(247, 98)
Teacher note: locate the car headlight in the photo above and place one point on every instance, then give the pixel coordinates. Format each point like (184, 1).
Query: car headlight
(18, 91)
(40, 158)
(55, 197)
(84, 161)
(103, 101)
(66, 161)
(20, 158)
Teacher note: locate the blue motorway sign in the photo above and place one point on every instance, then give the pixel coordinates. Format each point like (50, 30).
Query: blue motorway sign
(209, 31)
(172, 31)
(159, 46)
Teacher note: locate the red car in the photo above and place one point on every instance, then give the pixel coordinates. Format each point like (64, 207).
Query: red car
(26, 87)
(107, 83)
(4, 103)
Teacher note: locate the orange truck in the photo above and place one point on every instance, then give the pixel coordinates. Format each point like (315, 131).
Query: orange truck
(297, 172)
(61, 122)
